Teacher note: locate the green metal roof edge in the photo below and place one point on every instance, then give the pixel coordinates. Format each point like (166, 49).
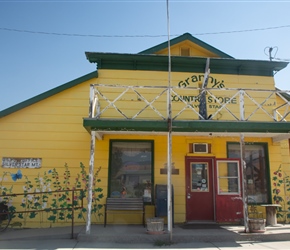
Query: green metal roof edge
(285, 95)
(184, 37)
(186, 126)
(48, 93)
(183, 64)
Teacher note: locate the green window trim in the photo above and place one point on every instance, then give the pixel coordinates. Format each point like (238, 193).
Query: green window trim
(121, 178)
(267, 169)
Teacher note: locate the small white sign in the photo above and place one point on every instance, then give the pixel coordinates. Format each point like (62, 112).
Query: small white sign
(17, 162)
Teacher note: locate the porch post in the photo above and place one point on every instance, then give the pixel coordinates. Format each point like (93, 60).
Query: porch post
(202, 103)
(243, 162)
(244, 184)
(90, 184)
(91, 167)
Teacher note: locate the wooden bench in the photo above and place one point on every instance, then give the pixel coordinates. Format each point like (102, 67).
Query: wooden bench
(124, 205)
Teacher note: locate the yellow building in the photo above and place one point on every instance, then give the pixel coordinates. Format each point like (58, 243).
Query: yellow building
(46, 142)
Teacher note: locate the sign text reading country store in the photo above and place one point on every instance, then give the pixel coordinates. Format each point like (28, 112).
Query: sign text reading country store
(212, 102)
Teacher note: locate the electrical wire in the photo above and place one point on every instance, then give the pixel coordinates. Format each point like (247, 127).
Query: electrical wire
(138, 36)
(281, 59)
(142, 1)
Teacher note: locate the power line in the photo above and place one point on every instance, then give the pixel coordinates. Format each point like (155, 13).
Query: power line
(142, 1)
(281, 59)
(239, 31)
(138, 36)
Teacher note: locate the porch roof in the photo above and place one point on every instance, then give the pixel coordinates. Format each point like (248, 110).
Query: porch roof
(275, 130)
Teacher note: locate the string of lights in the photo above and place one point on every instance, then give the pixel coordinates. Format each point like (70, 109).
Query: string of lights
(139, 36)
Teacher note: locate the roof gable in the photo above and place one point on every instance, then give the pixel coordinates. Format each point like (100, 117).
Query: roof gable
(186, 43)
(48, 93)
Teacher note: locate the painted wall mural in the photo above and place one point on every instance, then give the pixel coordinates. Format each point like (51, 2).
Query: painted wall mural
(281, 196)
(48, 196)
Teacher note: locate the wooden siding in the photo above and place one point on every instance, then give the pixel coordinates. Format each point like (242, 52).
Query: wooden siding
(52, 130)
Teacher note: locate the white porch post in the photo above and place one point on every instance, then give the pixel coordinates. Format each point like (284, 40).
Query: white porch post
(244, 183)
(243, 162)
(91, 167)
(90, 184)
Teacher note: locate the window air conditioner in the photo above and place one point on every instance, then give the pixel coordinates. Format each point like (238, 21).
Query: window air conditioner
(200, 148)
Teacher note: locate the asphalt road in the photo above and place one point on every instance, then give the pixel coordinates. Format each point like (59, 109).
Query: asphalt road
(70, 244)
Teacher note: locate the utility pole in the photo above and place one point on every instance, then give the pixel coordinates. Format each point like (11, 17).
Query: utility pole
(169, 135)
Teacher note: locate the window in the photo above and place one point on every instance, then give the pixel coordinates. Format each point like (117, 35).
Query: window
(228, 177)
(256, 170)
(199, 177)
(131, 169)
(185, 52)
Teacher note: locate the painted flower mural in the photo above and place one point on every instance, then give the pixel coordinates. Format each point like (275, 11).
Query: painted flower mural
(281, 184)
(48, 198)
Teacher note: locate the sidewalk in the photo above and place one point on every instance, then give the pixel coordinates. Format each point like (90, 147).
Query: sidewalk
(138, 234)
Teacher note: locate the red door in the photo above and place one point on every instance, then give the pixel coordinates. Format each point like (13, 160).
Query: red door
(229, 203)
(199, 189)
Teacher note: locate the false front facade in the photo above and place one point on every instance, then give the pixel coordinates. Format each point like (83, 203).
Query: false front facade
(216, 102)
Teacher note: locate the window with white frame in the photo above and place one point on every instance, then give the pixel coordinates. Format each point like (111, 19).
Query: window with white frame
(228, 177)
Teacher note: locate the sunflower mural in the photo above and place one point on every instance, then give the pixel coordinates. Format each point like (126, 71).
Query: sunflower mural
(47, 198)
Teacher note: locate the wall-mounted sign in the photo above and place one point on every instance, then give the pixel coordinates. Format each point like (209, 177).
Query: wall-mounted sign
(173, 169)
(17, 162)
(212, 102)
(194, 79)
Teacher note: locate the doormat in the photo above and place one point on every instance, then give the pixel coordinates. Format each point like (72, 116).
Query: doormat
(201, 226)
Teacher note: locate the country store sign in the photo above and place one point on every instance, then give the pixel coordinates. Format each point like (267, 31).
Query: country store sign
(212, 102)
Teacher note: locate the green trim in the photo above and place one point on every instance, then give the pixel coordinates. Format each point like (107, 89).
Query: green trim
(111, 141)
(186, 126)
(285, 95)
(267, 165)
(182, 38)
(268, 173)
(109, 169)
(184, 64)
(47, 94)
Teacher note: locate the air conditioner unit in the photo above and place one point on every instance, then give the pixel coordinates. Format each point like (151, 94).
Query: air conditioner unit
(200, 148)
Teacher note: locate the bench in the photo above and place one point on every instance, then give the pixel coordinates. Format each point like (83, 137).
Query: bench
(124, 205)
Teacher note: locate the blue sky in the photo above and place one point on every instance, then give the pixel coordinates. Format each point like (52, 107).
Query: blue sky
(35, 57)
